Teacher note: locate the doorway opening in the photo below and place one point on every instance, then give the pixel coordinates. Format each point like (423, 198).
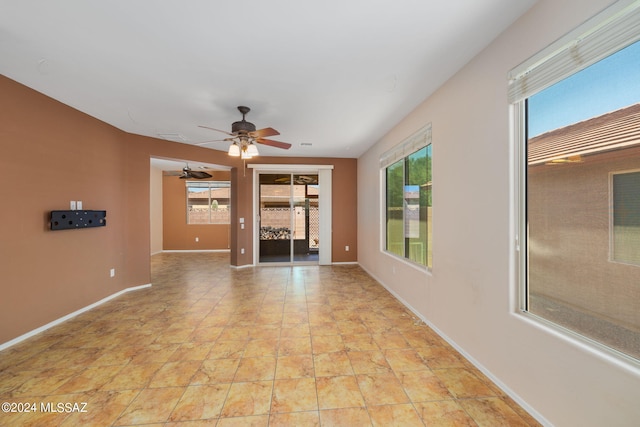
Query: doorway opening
(288, 218)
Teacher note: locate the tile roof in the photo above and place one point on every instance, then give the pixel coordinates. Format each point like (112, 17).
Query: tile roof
(611, 131)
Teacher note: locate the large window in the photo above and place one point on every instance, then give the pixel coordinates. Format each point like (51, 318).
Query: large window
(208, 202)
(577, 125)
(408, 199)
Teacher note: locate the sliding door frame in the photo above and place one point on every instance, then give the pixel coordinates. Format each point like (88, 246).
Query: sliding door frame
(324, 173)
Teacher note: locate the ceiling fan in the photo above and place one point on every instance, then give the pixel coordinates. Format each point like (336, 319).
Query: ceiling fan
(243, 134)
(187, 173)
(298, 180)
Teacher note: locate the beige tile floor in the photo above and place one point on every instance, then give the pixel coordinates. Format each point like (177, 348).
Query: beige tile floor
(209, 345)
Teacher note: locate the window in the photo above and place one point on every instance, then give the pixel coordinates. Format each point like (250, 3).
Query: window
(208, 202)
(577, 112)
(626, 217)
(408, 200)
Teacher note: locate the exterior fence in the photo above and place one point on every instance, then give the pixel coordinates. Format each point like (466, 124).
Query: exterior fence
(270, 219)
(280, 219)
(206, 216)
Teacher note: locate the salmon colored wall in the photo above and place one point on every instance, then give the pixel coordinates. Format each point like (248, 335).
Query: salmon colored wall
(241, 181)
(52, 154)
(141, 148)
(177, 234)
(344, 205)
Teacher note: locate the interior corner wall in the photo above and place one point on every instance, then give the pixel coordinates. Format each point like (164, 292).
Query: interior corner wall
(51, 155)
(470, 296)
(47, 275)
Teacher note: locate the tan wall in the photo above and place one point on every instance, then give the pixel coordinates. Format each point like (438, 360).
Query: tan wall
(471, 294)
(177, 234)
(51, 154)
(569, 260)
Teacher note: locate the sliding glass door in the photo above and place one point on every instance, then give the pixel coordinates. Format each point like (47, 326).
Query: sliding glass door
(289, 217)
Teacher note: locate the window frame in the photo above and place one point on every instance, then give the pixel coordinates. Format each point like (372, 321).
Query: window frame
(209, 187)
(400, 153)
(599, 37)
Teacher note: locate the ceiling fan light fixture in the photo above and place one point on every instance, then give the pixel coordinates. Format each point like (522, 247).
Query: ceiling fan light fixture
(234, 150)
(252, 150)
(244, 136)
(244, 155)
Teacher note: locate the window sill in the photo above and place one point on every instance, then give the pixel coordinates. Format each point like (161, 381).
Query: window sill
(408, 262)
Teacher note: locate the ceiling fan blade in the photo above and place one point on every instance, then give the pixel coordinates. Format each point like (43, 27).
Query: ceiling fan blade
(273, 143)
(217, 130)
(199, 174)
(264, 132)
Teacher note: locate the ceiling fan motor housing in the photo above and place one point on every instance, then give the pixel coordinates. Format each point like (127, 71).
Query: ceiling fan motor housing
(242, 126)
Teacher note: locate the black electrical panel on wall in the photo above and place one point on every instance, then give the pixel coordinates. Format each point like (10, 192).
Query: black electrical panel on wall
(67, 220)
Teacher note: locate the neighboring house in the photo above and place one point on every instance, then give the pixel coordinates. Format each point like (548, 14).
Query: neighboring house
(592, 261)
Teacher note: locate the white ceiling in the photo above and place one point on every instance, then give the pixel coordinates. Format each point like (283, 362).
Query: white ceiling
(336, 74)
(177, 165)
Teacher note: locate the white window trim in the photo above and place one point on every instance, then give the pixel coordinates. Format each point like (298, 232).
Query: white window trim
(413, 143)
(416, 141)
(288, 168)
(609, 31)
(187, 201)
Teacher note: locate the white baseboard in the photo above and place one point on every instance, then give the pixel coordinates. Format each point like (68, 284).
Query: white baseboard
(195, 250)
(68, 316)
(466, 355)
(238, 267)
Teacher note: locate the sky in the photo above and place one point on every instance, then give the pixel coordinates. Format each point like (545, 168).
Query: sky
(606, 86)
